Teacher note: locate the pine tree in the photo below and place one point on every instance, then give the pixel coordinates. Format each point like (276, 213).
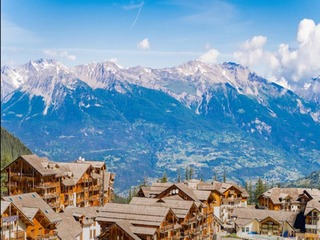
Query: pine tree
(260, 188)
(179, 175)
(187, 173)
(250, 192)
(164, 178)
(191, 172)
(215, 178)
(224, 175)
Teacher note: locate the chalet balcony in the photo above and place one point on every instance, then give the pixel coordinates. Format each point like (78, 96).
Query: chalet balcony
(95, 188)
(54, 204)
(21, 176)
(50, 195)
(48, 236)
(94, 197)
(79, 200)
(19, 235)
(47, 185)
(312, 226)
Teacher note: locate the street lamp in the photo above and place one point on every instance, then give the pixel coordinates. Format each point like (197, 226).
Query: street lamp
(234, 218)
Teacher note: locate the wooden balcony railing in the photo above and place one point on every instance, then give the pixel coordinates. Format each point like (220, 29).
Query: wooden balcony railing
(48, 236)
(50, 195)
(95, 188)
(54, 204)
(47, 185)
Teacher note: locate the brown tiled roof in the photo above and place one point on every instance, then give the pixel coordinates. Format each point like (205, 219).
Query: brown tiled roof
(157, 188)
(42, 165)
(202, 195)
(33, 200)
(77, 169)
(127, 227)
(91, 212)
(143, 230)
(311, 205)
(69, 228)
(95, 164)
(275, 194)
(245, 215)
(4, 206)
(135, 214)
(180, 207)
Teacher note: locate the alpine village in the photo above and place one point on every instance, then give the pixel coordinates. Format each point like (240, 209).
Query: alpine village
(44, 199)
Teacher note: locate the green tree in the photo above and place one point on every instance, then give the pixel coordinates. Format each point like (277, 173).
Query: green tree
(259, 189)
(224, 175)
(187, 174)
(179, 175)
(191, 172)
(164, 178)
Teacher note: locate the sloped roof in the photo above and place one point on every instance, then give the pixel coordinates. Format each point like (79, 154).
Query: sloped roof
(179, 207)
(4, 206)
(95, 164)
(245, 215)
(30, 212)
(127, 227)
(78, 169)
(275, 194)
(69, 228)
(135, 214)
(311, 205)
(202, 195)
(42, 165)
(157, 188)
(91, 212)
(32, 200)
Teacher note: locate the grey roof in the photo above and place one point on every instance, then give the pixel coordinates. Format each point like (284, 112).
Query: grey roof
(135, 214)
(33, 200)
(4, 206)
(68, 228)
(245, 215)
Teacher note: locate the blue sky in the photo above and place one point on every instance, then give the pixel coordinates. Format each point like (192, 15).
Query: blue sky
(157, 34)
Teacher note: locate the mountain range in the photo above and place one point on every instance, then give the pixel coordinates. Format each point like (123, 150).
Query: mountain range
(142, 121)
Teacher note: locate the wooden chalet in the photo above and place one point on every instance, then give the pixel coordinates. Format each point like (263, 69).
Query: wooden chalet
(81, 183)
(264, 222)
(43, 219)
(189, 214)
(13, 222)
(152, 222)
(312, 219)
(286, 199)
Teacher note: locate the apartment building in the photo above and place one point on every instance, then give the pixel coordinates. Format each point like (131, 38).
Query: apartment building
(80, 183)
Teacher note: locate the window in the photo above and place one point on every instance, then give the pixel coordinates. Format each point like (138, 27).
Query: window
(247, 229)
(243, 229)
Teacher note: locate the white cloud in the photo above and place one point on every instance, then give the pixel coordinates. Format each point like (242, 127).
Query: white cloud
(144, 44)
(63, 54)
(287, 64)
(210, 56)
(12, 33)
